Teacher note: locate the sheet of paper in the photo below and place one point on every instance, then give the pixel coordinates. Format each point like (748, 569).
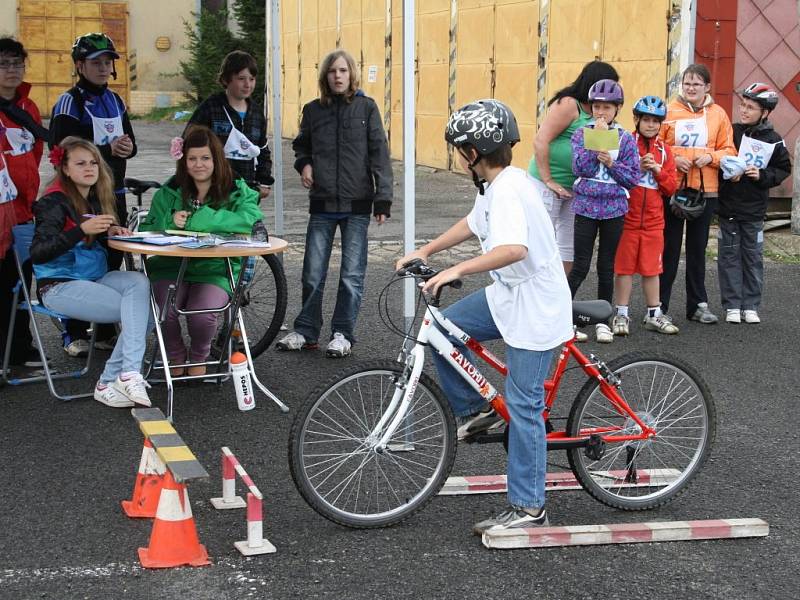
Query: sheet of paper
(600, 139)
(163, 240)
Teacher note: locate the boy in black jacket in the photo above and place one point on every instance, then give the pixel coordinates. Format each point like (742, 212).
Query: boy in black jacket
(239, 122)
(743, 205)
(342, 156)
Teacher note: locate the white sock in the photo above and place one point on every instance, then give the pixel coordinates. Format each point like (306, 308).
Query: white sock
(654, 311)
(622, 311)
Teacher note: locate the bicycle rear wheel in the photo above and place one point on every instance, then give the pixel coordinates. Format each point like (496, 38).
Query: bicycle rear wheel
(263, 308)
(667, 395)
(334, 463)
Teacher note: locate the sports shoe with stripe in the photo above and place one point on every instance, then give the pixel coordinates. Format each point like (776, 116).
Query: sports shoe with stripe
(106, 394)
(481, 422)
(514, 517)
(133, 387)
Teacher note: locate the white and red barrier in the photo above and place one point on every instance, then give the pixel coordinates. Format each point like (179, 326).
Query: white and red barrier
(625, 533)
(255, 543)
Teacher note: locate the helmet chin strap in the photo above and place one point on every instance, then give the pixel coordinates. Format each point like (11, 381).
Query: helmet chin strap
(475, 178)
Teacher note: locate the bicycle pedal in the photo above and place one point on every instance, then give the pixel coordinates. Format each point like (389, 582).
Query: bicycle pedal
(486, 438)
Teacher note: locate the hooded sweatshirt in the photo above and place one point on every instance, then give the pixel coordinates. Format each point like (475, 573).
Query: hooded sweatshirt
(23, 161)
(709, 118)
(236, 214)
(747, 199)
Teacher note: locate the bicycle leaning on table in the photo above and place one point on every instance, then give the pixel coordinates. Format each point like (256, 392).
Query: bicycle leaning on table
(376, 442)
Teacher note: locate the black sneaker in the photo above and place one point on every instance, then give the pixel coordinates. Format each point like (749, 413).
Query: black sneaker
(513, 517)
(477, 423)
(31, 360)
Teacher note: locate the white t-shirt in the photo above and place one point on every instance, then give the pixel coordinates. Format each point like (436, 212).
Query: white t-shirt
(529, 300)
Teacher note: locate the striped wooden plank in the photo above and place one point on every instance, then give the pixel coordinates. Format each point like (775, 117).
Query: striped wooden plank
(625, 533)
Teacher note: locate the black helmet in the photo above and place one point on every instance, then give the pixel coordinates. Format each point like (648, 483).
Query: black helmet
(484, 124)
(93, 45)
(762, 94)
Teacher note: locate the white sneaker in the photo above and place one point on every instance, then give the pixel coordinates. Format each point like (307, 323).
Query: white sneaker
(733, 315)
(580, 336)
(77, 348)
(751, 316)
(338, 347)
(111, 397)
(603, 333)
(661, 324)
(133, 387)
(620, 325)
(295, 341)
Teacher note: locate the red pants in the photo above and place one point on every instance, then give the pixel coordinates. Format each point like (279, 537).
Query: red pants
(639, 252)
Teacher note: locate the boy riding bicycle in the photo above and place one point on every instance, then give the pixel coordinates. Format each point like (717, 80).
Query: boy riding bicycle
(528, 305)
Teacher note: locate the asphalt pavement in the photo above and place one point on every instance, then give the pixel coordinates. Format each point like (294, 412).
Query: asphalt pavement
(66, 466)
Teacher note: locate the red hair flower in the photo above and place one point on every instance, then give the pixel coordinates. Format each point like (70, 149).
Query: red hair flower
(56, 156)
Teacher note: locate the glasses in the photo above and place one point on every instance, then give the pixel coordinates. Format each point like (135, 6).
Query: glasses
(16, 65)
(694, 85)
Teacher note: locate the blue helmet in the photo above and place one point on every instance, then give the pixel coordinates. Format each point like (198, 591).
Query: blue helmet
(650, 105)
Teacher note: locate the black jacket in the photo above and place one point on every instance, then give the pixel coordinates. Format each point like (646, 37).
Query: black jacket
(347, 148)
(56, 236)
(70, 118)
(746, 199)
(212, 114)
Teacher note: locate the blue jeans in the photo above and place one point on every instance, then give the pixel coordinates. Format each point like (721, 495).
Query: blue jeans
(117, 297)
(319, 242)
(524, 394)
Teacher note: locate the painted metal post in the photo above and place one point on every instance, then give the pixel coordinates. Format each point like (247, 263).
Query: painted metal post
(277, 150)
(409, 154)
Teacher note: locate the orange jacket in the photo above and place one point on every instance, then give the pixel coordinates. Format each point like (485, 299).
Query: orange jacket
(720, 140)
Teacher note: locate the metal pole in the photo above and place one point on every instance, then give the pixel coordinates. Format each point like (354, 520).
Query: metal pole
(409, 156)
(277, 150)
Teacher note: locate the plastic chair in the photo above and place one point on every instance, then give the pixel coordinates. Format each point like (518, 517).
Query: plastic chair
(23, 236)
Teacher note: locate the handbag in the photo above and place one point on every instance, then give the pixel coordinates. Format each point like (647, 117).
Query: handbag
(688, 203)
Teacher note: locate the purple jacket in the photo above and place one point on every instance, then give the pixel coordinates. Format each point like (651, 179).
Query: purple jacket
(597, 199)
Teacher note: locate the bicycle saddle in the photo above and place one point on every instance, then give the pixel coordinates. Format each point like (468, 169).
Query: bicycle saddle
(139, 187)
(589, 312)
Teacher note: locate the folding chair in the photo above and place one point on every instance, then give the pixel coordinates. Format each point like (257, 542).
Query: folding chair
(23, 236)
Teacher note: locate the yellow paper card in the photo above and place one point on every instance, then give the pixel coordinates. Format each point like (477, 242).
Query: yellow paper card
(600, 139)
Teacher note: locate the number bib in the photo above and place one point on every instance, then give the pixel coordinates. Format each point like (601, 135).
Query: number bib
(8, 191)
(756, 153)
(691, 133)
(106, 130)
(603, 175)
(20, 139)
(648, 180)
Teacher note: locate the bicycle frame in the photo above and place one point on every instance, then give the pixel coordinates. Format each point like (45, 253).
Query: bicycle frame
(430, 335)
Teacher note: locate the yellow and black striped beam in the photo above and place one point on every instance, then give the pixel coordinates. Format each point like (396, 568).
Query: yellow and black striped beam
(169, 446)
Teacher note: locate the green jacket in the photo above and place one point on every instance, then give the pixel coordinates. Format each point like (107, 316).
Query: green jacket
(237, 215)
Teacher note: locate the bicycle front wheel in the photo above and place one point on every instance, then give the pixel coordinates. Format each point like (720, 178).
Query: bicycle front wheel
(332, 454)
(667, 395)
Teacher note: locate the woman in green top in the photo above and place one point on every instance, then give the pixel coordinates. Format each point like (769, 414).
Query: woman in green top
(551, 164)
(202, 196)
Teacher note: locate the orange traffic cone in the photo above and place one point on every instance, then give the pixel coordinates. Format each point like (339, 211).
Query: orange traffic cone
(147, 489)
(173, 541)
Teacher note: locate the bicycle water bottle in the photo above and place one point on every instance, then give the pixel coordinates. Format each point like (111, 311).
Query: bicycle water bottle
(241, 382)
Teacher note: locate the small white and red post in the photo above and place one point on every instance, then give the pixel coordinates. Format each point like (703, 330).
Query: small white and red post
(255, 542)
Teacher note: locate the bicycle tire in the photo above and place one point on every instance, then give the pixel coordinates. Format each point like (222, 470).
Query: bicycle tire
(684, 420)
(264, 307)
(412, 472)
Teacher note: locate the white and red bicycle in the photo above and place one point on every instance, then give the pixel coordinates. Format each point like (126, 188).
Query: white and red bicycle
(377, 441)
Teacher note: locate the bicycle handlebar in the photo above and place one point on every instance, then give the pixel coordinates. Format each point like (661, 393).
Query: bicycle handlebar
(419, 270)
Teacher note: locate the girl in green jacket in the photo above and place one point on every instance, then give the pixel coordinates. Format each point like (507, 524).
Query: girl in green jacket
(202, 196)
